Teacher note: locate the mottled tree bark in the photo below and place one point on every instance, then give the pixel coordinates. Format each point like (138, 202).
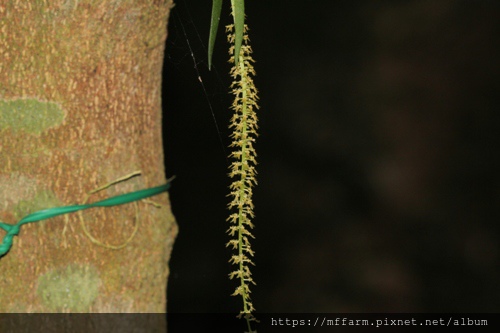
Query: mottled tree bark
(80, 106)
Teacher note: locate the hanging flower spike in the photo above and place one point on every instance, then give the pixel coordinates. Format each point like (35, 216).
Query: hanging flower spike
(242, 169)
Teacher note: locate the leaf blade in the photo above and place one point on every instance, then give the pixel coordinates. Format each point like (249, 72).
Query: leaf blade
(238, 11)
(214, 25)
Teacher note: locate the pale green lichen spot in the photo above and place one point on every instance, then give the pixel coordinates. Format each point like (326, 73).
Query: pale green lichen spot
(73, 288)
(42, 200)
(29, 115)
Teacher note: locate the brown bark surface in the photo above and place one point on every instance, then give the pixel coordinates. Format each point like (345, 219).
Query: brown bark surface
(80, 106)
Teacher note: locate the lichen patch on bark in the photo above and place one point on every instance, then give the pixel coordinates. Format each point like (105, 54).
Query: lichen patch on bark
(42, 200)
(29, 115)
(72, 288)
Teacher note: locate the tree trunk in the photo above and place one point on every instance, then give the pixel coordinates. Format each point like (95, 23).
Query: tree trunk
(80, 106)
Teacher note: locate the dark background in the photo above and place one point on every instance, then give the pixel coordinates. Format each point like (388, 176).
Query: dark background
(378, 170)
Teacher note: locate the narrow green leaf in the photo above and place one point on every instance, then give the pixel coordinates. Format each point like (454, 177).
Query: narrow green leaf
(214, 25)
(239, 23)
